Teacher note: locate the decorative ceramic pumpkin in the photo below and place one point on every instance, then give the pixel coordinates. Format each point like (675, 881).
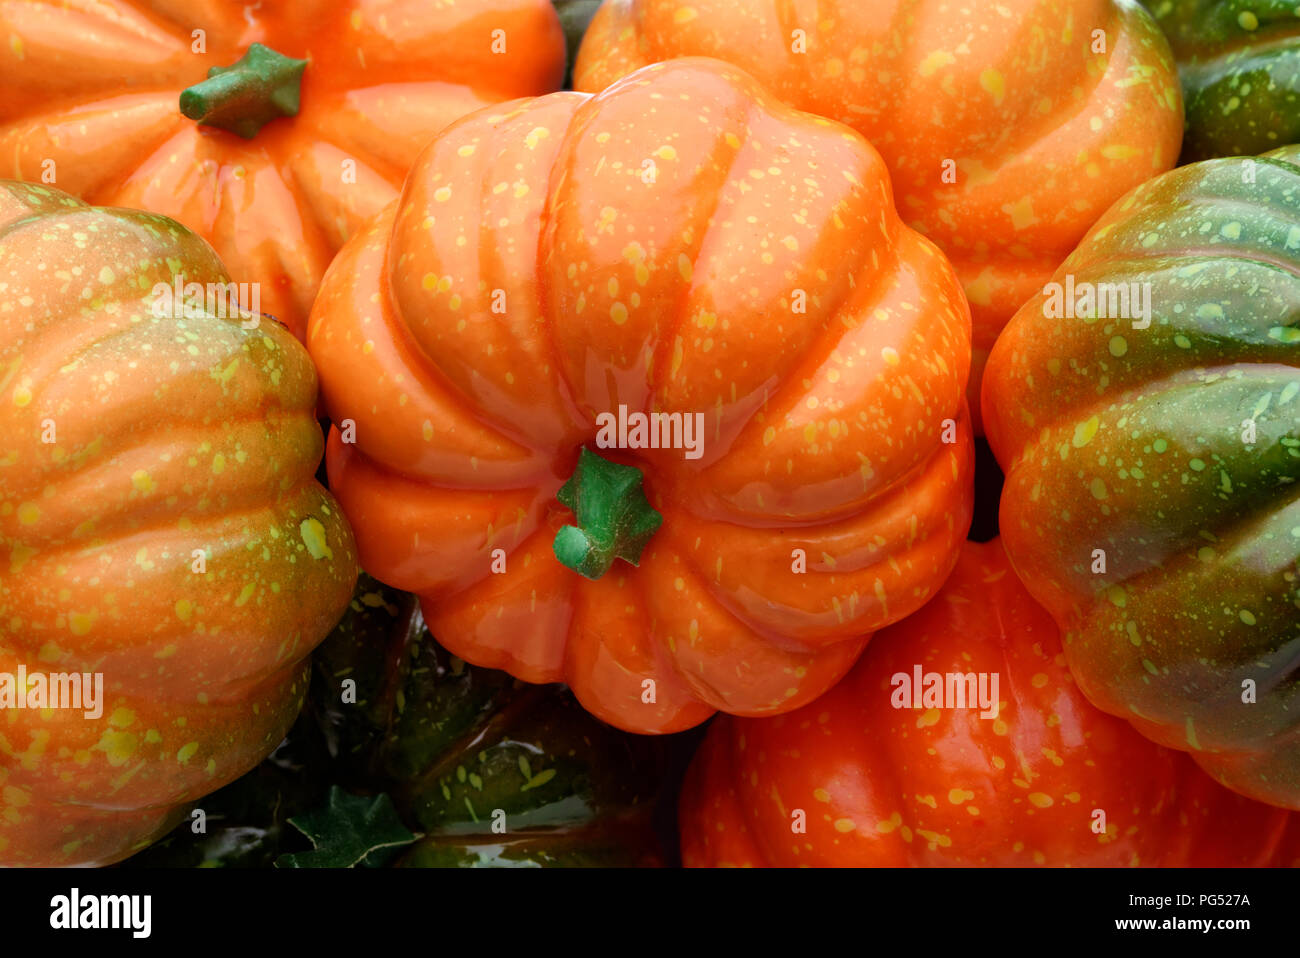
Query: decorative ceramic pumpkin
(1152, 464)
(855, 780)
(308, 119)
(450, 744)
(1239, 61)
(160, 526)
(1007, 128)
(681, 245)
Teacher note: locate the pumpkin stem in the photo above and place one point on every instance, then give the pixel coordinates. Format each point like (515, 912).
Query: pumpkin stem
(248, 94)
(615, 521)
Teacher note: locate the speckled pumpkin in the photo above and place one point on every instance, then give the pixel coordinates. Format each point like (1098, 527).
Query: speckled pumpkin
(1239, 61)
(680, 244)
(851, 780)
(450, 744)
(279, 160)
(455, 745)
(1152, 497)
(1006, 132)
(160, 524)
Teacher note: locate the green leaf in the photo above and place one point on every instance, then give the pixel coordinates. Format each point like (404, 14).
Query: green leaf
(349, 830)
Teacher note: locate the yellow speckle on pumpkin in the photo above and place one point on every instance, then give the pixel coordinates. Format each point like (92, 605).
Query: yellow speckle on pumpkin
(1084, 432)
(935, 60)
(1021, 213)
(885, 826)
(117, 746)
(994, 84)
(313, 537)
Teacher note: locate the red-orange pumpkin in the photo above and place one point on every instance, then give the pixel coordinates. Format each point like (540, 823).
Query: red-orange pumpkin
(880, 785)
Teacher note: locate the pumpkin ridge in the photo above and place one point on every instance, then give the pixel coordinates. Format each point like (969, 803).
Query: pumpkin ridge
(1052, 123)
(554, 176)
(661, 357)
(390, 313)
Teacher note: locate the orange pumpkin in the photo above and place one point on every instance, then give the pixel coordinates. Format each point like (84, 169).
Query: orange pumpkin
(1051, 780)
(91, 100)
(160, 526)
(680, 245)
(1007, 128)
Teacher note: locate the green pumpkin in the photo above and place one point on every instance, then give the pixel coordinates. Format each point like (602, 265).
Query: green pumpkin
(1152, 496)
(1239, 61)
(575, 17)
(449, 749)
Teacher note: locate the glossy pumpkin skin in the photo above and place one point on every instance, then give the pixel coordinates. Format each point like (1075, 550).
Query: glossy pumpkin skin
(1175, 450)
(170, 435)
(1239, 61)
(97, 92)
(448, 742)
(1044, 133)
(944, 787)
(673, 292)
(246, 823)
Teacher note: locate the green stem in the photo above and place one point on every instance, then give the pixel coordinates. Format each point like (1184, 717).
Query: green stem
(248, 94)
(615, 521)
